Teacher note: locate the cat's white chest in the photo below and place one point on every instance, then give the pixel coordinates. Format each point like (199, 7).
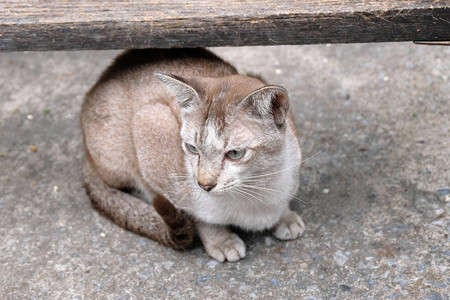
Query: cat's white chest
(240, 212)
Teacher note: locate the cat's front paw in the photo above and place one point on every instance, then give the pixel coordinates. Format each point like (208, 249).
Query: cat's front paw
(225, 246)
(289, 227)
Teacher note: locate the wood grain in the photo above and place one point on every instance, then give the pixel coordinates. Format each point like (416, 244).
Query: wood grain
(84, 24)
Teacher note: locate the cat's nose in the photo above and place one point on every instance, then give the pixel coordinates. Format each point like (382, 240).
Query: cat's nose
(207, 187)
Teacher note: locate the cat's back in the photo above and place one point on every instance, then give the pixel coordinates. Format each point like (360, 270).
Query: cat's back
(140, 63)
(129, 83)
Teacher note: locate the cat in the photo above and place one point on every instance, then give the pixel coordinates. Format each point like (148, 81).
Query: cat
(179, 144)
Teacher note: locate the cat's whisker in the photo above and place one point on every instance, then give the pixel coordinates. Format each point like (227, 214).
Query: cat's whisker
(236, 193)
(254, 181)
(301, 200)
(313, 156)
(250, 188)
(178, 176)
(242, 194)
(246, 192)
(296, 164)
(249, 200)
(186, 184)
(262, 194)
(272, 173)
(275, 192)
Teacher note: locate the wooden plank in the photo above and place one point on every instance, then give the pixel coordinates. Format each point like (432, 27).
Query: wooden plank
(101, 24)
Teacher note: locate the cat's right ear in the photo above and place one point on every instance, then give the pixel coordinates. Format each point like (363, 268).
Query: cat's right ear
(185, 94)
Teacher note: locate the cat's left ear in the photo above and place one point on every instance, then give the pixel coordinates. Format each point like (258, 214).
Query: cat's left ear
(184, 93)
(268, 101)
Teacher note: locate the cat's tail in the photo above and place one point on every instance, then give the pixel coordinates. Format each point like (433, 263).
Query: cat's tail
(161, 222)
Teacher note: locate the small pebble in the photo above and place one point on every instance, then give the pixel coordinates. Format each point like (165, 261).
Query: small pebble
(326, 191)
(439, 285)
(400, 279)
(212, 264)
(267, 241)
(434, 296)
(369, 282)
(340, 258)
(55, 189)
(345, 288)
(102, 234)
(421, 267)
(278, 71)
(30, 117)
(32, 148)
(203, 279)
(443, 192)
(438, 211)
(393, 295)
(274, 281)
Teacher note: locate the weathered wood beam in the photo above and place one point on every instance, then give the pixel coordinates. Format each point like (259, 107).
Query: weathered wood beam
(84, 24)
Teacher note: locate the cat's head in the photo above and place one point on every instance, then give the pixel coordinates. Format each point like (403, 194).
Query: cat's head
(233, 128)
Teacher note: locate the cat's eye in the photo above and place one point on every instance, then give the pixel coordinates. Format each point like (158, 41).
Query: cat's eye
(192, 149)
(235, 154)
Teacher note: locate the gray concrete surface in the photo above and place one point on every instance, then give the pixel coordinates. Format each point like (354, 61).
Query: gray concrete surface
(374, 121)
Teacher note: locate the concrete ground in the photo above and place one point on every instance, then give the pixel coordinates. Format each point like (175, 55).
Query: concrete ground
(374, 122)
